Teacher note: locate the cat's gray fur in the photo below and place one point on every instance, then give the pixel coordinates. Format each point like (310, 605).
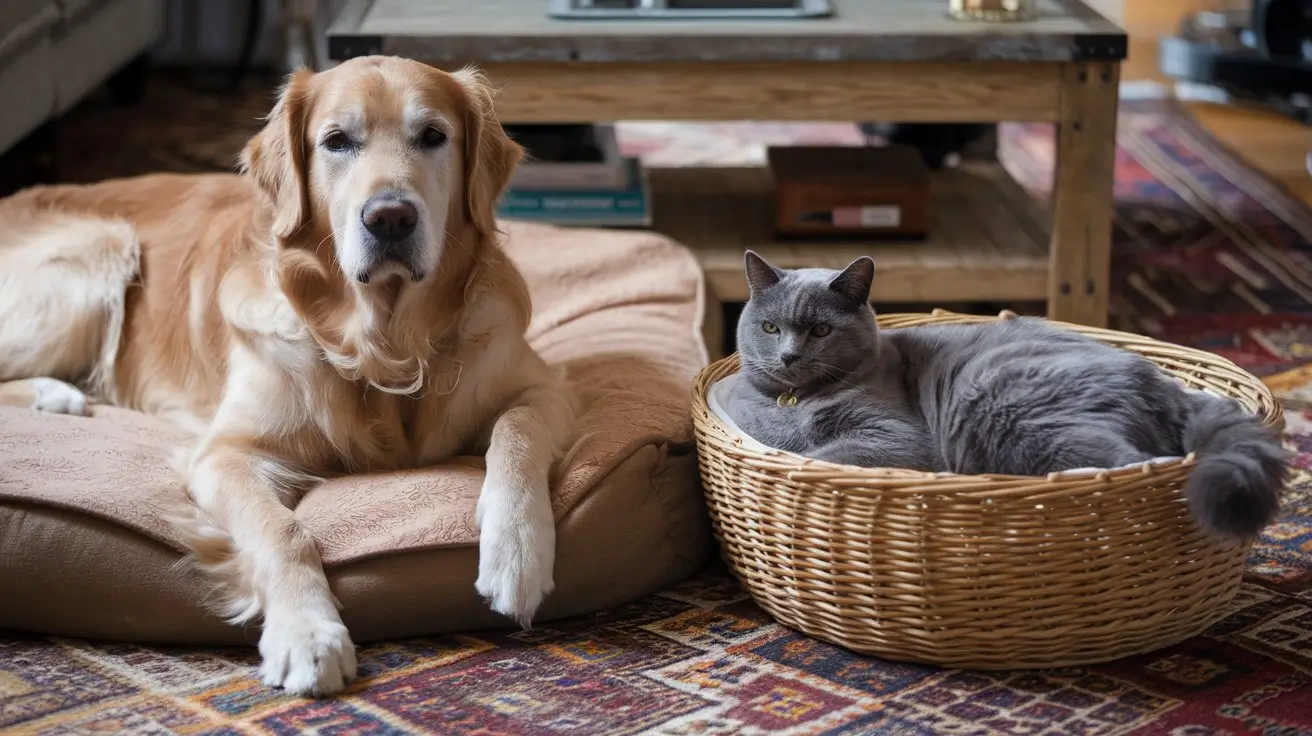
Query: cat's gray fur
(1015, 397)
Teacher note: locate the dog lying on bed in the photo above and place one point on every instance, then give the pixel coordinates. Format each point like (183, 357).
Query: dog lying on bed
(343, 306)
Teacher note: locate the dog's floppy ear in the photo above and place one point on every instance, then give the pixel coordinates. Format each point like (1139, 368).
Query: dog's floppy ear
(276, 157)
(490, 155)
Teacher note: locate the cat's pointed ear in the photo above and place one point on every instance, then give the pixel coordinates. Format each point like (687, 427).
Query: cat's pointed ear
(760, 274)
(854, 282)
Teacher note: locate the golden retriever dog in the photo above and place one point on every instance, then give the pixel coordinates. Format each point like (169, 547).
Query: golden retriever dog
(341, 306)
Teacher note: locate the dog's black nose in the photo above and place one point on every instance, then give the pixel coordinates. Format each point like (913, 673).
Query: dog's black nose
(389, 218)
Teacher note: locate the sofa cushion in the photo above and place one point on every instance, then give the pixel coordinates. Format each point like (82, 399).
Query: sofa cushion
(71, 10)
(96, 39)
(85, 550)
(22, 22)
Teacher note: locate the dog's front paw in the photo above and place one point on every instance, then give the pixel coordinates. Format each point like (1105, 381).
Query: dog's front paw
(516, 553)
(57, 397)
(306, 654)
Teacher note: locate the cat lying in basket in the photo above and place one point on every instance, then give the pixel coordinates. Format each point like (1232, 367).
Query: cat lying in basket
(1013, 397)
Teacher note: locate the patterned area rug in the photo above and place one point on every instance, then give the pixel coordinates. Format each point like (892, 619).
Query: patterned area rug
(1207, 254)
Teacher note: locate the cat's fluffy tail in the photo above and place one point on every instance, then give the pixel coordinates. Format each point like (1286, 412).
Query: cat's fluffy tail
(1235, 486)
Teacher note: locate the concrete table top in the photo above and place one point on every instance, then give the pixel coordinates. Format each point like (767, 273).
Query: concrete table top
(508, 31)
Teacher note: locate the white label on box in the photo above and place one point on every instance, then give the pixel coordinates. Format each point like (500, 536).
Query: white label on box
(885, 216)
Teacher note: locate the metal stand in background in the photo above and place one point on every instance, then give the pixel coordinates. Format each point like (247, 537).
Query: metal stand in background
(300, 47)
(224, 80)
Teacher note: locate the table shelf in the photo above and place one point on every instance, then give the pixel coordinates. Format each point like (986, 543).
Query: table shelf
(989, 238)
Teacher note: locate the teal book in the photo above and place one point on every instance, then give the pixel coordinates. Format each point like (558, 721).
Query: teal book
(627, 207)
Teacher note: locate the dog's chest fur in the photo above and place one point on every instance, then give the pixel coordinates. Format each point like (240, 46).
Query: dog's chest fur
(351, 426)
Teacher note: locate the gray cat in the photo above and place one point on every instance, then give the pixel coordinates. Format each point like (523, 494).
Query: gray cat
(1014, 397)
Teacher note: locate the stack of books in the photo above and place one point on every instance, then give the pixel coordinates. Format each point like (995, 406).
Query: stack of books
(575, 175)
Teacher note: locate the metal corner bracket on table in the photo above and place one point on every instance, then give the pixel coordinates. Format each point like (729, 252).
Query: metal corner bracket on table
(1062, 69)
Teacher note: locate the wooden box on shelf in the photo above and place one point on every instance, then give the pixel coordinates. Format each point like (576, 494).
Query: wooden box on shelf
(850, 191)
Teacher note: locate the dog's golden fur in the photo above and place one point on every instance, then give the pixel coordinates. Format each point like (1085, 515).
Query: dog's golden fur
(248, 308)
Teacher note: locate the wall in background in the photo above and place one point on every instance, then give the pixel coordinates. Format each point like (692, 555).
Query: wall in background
(1113, 10)
(1148, 20)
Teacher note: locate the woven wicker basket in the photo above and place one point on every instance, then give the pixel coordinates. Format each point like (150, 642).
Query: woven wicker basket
(983, 572)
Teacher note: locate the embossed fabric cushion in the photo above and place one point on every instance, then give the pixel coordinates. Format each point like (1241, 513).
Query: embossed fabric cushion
(85, 549)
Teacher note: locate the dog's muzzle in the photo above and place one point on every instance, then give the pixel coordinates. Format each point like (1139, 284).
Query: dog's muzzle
(390, 219)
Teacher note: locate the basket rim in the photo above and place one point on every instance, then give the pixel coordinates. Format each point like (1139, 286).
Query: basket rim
(831, 476)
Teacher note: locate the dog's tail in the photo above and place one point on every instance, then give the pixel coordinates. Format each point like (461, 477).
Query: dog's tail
(1241, 468)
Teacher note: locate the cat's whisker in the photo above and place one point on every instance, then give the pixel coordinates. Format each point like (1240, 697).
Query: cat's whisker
(758, 367)
(841, 376)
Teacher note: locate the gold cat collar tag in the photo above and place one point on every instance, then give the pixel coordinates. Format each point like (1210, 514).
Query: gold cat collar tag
(787, 398)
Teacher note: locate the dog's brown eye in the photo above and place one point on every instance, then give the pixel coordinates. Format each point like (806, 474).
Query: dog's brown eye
(336, 141)
(820, 330)
(770, 327)
(432, 138)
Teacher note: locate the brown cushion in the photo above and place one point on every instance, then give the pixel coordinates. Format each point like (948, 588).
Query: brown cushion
(84, 550)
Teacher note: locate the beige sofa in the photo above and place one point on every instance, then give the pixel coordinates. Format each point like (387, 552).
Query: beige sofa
(53, 52)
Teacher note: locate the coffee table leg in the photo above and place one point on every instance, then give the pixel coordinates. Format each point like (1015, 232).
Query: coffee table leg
(1082, 205)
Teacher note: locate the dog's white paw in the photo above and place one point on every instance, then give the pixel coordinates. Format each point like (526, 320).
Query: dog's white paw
(57, 397)
(516, 552)
(306, 654)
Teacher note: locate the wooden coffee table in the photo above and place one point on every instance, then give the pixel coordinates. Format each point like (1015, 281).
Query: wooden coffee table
(889, 60)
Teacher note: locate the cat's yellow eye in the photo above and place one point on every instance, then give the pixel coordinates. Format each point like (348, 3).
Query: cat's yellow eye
(820, 330)
(770, 327)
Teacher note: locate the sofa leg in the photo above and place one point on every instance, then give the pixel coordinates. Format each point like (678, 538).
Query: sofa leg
(31, 161)
(127, 86)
